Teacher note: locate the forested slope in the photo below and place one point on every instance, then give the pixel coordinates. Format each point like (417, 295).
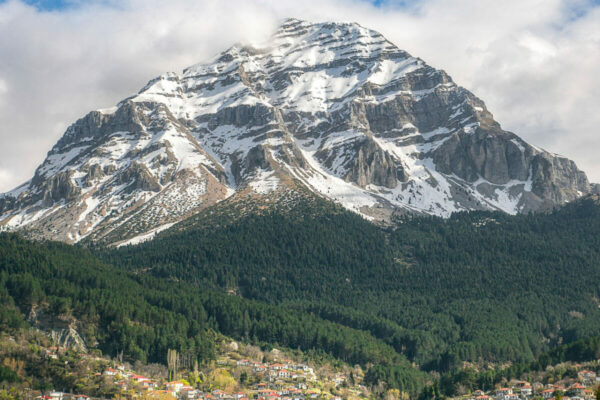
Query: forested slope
(144, 316)
(476, 286)
(479, 287)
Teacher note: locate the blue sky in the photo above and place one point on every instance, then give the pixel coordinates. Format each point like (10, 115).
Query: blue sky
(56, 5)
(579, 8)
(49, 5)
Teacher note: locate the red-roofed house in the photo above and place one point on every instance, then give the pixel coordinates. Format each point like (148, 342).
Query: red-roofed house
(576, 389)
(548, 393)
(284, 373)
(174, 386)
(526, 390)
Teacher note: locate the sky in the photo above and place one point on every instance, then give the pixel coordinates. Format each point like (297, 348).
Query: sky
(536, 63)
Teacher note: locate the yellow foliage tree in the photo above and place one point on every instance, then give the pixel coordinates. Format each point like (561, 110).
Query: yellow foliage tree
(220, 378)
(393, 394)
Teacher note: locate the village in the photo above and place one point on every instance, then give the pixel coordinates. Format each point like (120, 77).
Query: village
(582, 384)
(247, 372)
(269, 376)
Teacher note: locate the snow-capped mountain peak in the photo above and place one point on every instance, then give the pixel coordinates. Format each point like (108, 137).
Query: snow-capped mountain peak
(334, 107)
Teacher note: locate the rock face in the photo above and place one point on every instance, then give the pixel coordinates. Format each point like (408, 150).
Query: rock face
(334, 107)
(61, 329)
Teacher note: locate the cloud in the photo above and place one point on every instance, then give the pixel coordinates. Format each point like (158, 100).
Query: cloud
(534, 62)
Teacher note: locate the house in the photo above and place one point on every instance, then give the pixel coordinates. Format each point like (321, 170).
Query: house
(149, 385)
(277, 367)
(260, 368)
(243, 363)
(576, 389)
(143, 382)
(56, 395)
(526, 390)
(503, 393)
(478, 393)
(239, 395)
(548, 393)
(586, 375)
(139, 378)
(174, 386)
(110, 372)
(266, 392)
(338, 380)
(188, 393)
(284, 373)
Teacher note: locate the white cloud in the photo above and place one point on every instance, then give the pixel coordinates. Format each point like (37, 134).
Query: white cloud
(534, 62)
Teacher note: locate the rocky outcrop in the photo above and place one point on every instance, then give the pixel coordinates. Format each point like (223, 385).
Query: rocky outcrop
(138, 177)
(372, 165)
(557, 180)
(61, 329)
(58, 187)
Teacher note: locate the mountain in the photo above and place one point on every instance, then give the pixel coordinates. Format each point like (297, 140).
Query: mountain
(329, 109)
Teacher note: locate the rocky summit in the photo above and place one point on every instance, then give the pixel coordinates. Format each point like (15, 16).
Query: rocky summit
(331, 107)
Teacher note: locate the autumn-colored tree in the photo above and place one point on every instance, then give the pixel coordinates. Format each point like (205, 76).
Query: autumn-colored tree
(172, 361)
(220, 378)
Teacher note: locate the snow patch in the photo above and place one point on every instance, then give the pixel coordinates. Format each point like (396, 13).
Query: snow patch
(144, 237)
(264, 182)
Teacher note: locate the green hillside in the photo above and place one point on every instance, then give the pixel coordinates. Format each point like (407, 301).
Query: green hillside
(421, 295)
(143, 316)
(477, 286)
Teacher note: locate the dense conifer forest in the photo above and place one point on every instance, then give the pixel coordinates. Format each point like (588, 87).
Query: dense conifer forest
(479, 285)
(421, 295)
(143, 316)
